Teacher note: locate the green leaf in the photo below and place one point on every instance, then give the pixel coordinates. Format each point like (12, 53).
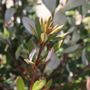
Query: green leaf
(6, 33)
(29, 45)
(21, 51)
(39, 84)
(48, 85)
(20, 83)
(38, 27)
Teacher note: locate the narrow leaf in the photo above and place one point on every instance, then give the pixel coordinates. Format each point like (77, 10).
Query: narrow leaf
(75, 37)
(84, 59)
(53, 63)
(9, 14)
(57, 29)
(32, 54)
(38, 27)
(73, 3)
(71, 49)
(29, 25)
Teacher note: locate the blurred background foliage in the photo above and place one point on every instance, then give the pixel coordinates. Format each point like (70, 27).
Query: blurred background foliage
(68, 50)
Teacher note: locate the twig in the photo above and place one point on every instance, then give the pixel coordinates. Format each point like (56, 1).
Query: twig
(35, 67)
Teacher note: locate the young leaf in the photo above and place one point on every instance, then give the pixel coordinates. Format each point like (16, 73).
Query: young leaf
(39, 84)
(20, 83)
(57, 29)
(44, 37)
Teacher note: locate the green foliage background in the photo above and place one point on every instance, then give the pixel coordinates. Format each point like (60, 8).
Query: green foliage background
(16, 45)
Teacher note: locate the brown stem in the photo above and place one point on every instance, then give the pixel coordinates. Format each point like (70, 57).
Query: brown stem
(33, 77)
(34, 67)
(38, 57)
